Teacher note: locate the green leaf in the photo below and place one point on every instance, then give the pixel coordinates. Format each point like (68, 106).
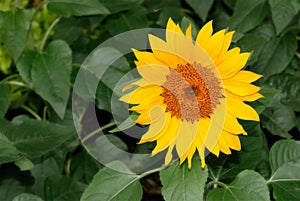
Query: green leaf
(288, 83)
(278, 118)
(27, 197)
(24, 164)
(112, 185)
(248, 14)
(248, 185)
(135, 18)
(201, 8)
(4, 99)
(83, 167)
(252, 43)
(77, 7)
(283, 11)
(48, 74)
(181, 183)
(276, 55)
(8, 152)
(34, 138)
(115, 6)
(9, 188)
(13, 30)
(41, 171)
(285, 164)
(63, 188)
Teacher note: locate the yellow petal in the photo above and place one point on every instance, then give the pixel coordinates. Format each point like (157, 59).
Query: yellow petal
(185, 138)
(165, 140)
(188, 32)
(240, 88)
(137, 96)
(204, 34)
(250, 98)
(232, 125)
(154, 74)
(233, 141)
(232, 65)
(159, 122)
(214, 44)
(226, 42)
(241, 110)
(245, 76)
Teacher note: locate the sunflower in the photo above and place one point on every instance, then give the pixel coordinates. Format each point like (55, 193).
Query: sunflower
(191, 93)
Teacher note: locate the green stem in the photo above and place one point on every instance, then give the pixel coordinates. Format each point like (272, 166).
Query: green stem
(31, 112)
(215, 184)
(48, 32)
(298, 55)
(16, 83)
(288, 29)
(150, 172)
(91, 134)
(45, 112)
(11, 77)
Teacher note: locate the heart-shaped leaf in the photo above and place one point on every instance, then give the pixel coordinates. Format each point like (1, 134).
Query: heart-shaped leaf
(285, 165)
(181, 183)
(248, 185)
(48, 74)
(4, 99)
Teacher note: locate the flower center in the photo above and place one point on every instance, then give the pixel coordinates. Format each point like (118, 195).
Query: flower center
(191, 92)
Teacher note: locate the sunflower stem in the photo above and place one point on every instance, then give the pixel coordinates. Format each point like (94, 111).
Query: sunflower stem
(48, 32)
(94, 132)
(31, 112)
(215, 184)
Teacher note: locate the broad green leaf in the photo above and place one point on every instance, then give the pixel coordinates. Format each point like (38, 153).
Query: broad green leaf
(201, 8)
(4, 99)
(276, 55)
(77, 7)
(115, 6)
(63, 188)
(278, 118)
(252, 43)
(285, 164)
(8, 152)
(83, 167)
(24, 164)
(135, 18)
(283, 11)
(288, 83)
(27, 197)
(261, 104)
(34, 138)
(248, 14)
(41, 171)
(248, 185)
(112, 185)
(13, 30)
(176, 13)
(181, 183)
(230, 3)
(253, 148)
(48, 74)
(69, 29)
(9, 188)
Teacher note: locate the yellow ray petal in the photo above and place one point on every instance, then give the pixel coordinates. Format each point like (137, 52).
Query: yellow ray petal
(159, 121)
(155, 74)
(137, 96)
(214, 44)
(240, 88)
(146, 58)
(250, 98)
(188, 32)
(241, 110)
(245, 76)
(226, 42)
(232, 125)
(232, 141)
(169, 155)
(166, 140)
(232, 65)
(185, 138)
(204, 34)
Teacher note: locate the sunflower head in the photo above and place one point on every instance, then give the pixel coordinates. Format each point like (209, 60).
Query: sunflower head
(191, 93)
